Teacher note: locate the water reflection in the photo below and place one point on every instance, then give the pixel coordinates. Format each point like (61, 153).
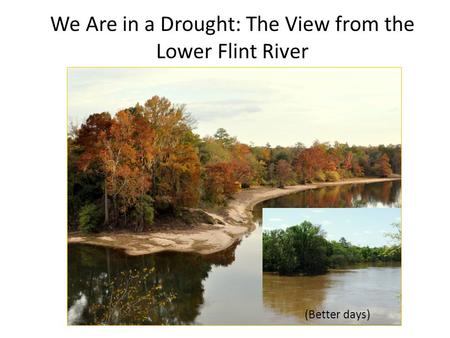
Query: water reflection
(382, 194)
(292, 295)
(233, 294)
(373, 288)
(106, 286)
(109, 287)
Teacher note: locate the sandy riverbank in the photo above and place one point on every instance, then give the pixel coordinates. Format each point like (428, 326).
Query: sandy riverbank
(205, 238)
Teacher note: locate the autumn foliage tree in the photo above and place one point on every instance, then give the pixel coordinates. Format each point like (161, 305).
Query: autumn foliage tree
(219, 183)
(175, 169)
(382, 166)
(146, 160)
(89, 141)
(228, 166)
(242, 158)
(283, 173)
(114, 147)
(310, 162)
(146, 155)
(179, 178)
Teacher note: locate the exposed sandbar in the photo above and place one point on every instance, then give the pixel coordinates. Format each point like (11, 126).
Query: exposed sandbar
(228, 228)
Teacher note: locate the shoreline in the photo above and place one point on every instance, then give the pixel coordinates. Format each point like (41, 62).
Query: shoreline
(206, 239)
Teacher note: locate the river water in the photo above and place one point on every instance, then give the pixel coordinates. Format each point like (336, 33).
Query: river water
(105, 286)
(373, 195)
(349, 291)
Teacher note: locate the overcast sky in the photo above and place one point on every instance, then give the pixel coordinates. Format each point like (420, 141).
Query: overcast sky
(360, 226)
(279, 106)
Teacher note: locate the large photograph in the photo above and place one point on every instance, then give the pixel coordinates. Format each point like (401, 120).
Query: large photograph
(170, 170)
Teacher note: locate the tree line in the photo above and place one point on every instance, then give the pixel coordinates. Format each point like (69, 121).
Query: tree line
(303, 249)
(146, 160)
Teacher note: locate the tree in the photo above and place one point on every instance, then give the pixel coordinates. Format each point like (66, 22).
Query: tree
(219, 182)
(283, 173)
(175, 184)
(124, 156)
(358, 170)
(272, 250)
(382, 166)
(344, 242)
(394, 252)
(148, 156)
(179, 179)
(223, 137)
(310, 246)
(301, 248)
(310, 161)
(121, 149)
(242, 158)
(397, 234)
(88, 138)
(213, 151)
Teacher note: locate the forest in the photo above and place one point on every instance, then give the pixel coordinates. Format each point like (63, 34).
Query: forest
(126, 170)
(303, 249)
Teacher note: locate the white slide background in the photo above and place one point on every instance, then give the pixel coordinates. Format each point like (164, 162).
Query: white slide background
(33, 144)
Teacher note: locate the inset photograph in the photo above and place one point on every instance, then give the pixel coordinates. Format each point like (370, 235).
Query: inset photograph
(332, 266)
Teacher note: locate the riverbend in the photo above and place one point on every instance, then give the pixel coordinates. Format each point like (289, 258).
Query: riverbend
(228, 227)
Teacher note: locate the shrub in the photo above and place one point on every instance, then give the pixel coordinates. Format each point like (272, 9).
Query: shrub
(337, 260)
(144, 213)
(319, 176)
(332, 176)
(343, 173)
(89, 218)
(149, 213)
(245, 185)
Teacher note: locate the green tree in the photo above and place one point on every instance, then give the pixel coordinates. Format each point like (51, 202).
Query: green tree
(222, 136)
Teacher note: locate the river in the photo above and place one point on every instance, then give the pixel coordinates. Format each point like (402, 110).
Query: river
(373, 195)
(350, 291)
(105, 286)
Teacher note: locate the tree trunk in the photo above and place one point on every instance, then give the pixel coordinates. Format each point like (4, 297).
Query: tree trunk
(106, 206)
(115, 213)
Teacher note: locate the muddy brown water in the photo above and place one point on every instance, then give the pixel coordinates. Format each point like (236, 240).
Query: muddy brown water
(347, 293)
(105, 286)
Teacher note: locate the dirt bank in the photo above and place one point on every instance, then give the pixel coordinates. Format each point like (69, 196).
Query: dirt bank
(230, 226)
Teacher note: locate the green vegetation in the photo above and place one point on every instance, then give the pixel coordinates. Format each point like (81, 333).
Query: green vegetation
(147, 161)
(89, 217)
(303, 249)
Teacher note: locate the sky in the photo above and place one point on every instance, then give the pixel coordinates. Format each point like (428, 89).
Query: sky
(280, 106)
(360, 226)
